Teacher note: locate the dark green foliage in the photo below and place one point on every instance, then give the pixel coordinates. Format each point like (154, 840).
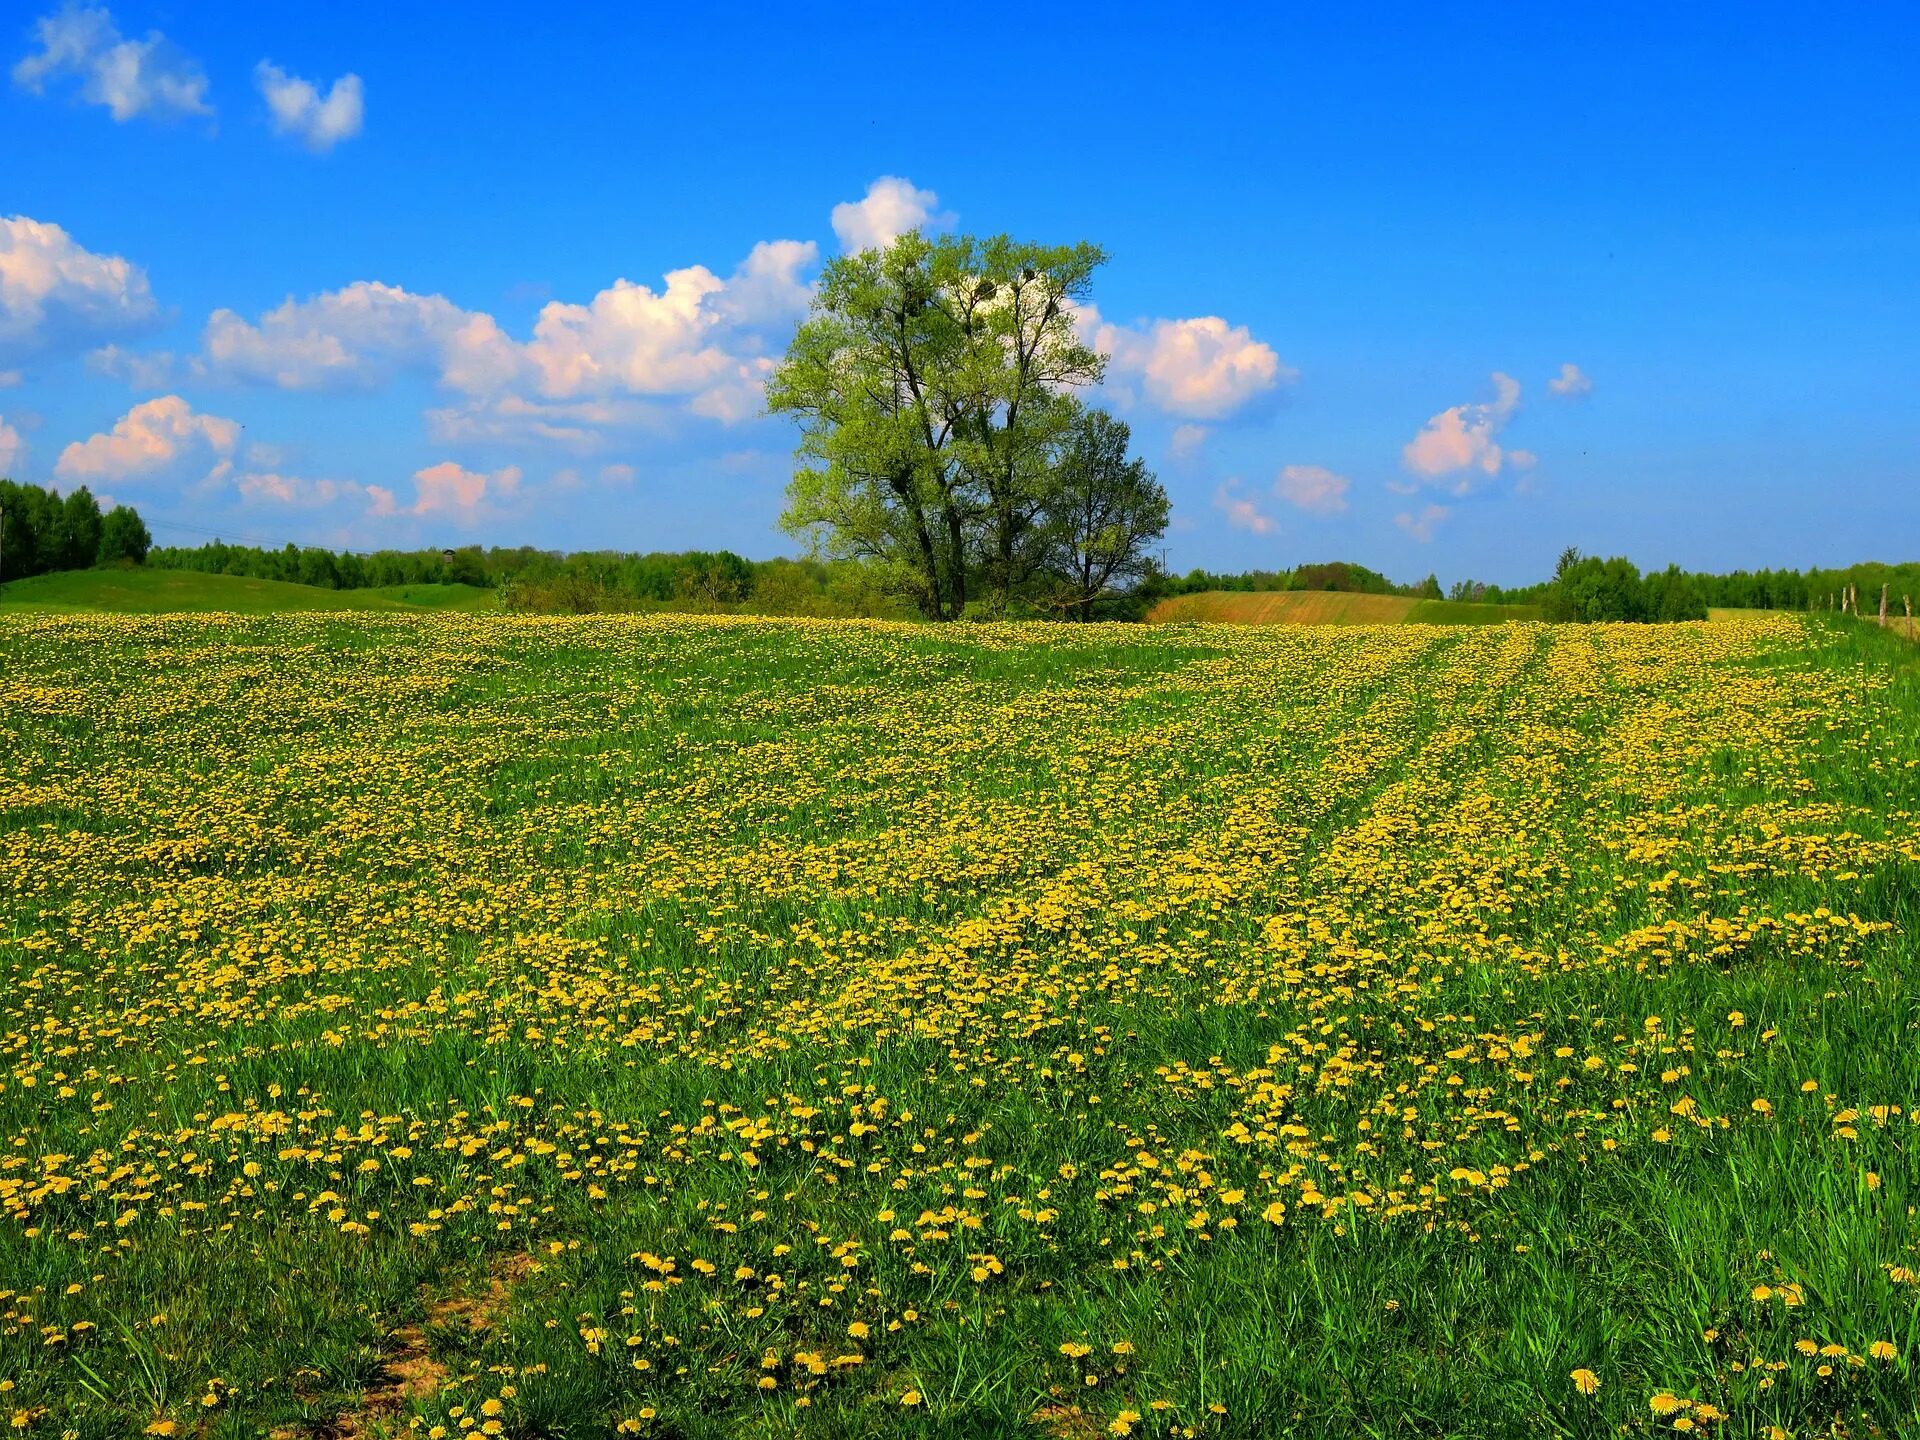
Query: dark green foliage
(45, 532)
(1096, 521)
(123, 538)
(1587, 589)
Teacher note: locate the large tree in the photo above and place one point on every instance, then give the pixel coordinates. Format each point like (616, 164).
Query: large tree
(934, 385)
(1101, 513)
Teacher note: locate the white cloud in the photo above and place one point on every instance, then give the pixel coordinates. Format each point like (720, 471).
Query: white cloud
(12, 450)
(154, 371)
(55, 294)
(1571, 383)
(1312, 488)
(272, 486)
(632, 338)
(360, 336)
(1200, 368)
(1241, 512)
(129, 77)
(767, 288)
(519, 419)
(299, 109)
(149, 437)
(449, 489)
(1422, 526)
(1462, 438)
(891, 207)
(696, 342)
(9, 378)
(1187, 442)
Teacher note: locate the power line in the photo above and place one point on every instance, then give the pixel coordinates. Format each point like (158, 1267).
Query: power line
(159, 521)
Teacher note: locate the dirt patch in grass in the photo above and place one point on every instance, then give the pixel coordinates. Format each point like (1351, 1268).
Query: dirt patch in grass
(411, 1373)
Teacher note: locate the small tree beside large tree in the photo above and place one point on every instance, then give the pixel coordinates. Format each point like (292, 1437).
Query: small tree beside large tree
(943, 438)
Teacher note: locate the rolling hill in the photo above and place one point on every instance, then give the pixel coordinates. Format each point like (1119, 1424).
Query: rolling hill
(154, 592)
(1328, 607)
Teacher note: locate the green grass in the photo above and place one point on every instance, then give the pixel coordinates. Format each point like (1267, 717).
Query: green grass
(1325, 607)
(1466, 612)
(1360, 1028)
(152, 592)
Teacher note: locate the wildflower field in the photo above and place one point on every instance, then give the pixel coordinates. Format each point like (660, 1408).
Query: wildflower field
(673, 1027)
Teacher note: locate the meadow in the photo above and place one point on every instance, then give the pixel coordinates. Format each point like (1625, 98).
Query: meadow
(1329, 607)
(447, 1024)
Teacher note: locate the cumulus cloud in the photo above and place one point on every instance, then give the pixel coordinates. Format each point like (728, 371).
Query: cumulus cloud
(1241, 512)
(449, 489)
(151, 436)
(1571, 383)
(1312, 488)
(298, 108)
(12, 450)
(1422, 526)
(890, 208)
(358, 337)
(1462, 438)
(698, 341)
(1199, 369)
(129, 77)
(767, 288)
(56, 295)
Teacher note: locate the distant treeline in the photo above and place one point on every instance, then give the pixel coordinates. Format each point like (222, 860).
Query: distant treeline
(1585, 587)
(580, 583)
(1337, 575)
(42, 531)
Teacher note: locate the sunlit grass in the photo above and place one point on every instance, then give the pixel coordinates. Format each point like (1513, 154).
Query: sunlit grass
(735, 1027)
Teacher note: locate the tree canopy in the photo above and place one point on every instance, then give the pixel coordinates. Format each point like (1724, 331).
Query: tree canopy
(936, 387)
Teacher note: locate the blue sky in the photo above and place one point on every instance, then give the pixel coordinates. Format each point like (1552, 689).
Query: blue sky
(352, 275)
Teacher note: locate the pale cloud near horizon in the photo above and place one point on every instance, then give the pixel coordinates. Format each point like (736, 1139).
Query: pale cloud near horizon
(298, 108)
(129, 77)
(295, 490)
(57, 295)
(12, 447)
(150, 437)
(449, 488)
(1462, 438)
(891, 207)
(1572, 383)
(1422, 526)
(1241, 511)
(1312, 488)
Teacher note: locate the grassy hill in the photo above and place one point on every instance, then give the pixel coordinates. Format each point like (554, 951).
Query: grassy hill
(152, 592)
(1325, 607)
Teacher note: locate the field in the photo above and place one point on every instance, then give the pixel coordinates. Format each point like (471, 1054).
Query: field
(148, 592)
(1325, 607)
(465, 1025)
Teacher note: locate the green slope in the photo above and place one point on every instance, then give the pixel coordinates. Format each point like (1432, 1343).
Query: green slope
(1322, 607)
(152, 592)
